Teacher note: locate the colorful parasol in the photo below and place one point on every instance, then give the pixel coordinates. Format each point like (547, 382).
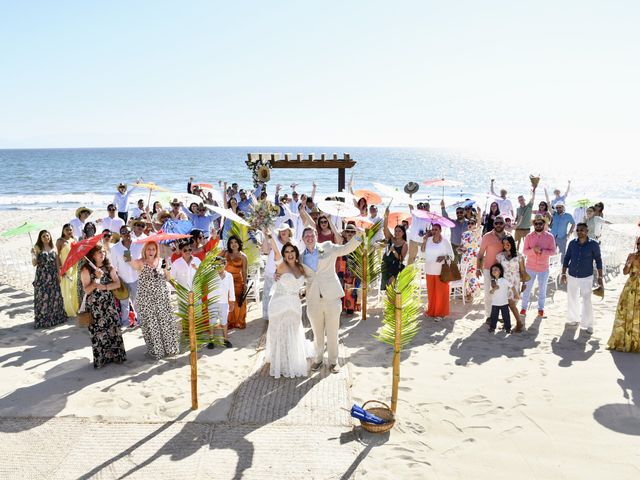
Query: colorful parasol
(441, 182)
(79, 250)
(339, 209)
(345, 195)
(433, 218)
(230, 214)
(583, 202)
(396, 218)
(151, 186)
(394, 193)
(202, 185)
(26, 227)
(372, 198)
(360, 222)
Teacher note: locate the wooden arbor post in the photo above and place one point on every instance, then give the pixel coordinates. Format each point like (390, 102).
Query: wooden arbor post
(325, 161)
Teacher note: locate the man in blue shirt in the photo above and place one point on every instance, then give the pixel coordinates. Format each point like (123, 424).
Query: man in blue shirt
(559, 224)
(581, 254)
(461, 226)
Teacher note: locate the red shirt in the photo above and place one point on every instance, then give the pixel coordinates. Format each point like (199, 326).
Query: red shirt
(490, 246)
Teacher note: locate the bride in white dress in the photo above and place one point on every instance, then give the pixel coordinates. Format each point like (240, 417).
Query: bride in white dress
(287, 349)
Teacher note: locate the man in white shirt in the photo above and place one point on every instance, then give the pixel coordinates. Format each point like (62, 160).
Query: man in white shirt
(374, 218)
(121, 201)
(504, 204)
(111, 222)
(121, 255)
(138, 231)
(136, 212)
(419, 228)
(77, 224)
(225, 293)
(184, 268)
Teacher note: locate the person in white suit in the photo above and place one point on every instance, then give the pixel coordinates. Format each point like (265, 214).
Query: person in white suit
(324, 293)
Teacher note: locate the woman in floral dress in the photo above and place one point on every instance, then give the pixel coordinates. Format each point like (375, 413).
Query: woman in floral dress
(469, 246)
(48, 306)
(625, 336)
(98, 283)
(510, 261)
(153, 304)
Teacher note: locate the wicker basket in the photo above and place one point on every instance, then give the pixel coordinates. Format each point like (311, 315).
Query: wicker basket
(384, 412)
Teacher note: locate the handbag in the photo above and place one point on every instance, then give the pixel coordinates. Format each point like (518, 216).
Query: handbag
(450, 271)
(524, 276)
(84, 316)
(122, 292)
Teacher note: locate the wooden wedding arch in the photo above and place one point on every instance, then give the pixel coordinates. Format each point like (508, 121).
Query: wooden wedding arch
(288, 160)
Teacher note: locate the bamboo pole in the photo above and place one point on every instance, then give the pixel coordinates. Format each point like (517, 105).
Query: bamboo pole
(194, 355)
(365, 259)
(396, 353)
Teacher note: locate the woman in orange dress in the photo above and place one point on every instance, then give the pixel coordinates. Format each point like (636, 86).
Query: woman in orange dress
(237, 266)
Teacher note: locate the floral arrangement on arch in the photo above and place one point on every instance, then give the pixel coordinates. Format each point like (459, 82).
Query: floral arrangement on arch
(263, 214)
(260, 170)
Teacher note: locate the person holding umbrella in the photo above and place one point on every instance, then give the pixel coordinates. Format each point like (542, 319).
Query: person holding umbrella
(154, 304)
(48, 305)
(99, 279)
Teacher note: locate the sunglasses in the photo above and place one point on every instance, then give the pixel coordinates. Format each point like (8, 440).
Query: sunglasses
(323, 221)
(498, 223)
(111, 209)
(188, 249)
(539, 224)
(138, 225)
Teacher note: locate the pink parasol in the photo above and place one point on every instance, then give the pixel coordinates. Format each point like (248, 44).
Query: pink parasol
(158, 237)
(433, 218)
(372, 198)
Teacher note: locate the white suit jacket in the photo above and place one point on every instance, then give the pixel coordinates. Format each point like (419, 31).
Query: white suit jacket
(324, 282)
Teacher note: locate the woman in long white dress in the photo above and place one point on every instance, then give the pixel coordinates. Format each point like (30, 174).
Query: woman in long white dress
(287, 349)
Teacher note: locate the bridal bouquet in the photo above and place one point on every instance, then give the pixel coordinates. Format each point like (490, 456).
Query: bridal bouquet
(263, 214)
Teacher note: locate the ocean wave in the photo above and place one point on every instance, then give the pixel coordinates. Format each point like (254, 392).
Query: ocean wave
(54, 200)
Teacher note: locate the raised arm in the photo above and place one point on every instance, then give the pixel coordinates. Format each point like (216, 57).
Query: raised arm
(277, 256)
(493, 192)
(444, 210)
(307, 221)
(546, 196)
(314, 189)
(533, 195)
(568, 188)
(385, 225)
(337, 238)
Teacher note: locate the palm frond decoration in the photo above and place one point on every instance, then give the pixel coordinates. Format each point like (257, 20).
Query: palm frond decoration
(194, 311)
(400, 323)
(249, 248)
(365, 263)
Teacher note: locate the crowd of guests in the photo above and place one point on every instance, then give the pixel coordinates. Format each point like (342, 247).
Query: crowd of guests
(497, 251)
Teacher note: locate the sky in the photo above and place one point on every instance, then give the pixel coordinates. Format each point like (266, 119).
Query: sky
(528, 80)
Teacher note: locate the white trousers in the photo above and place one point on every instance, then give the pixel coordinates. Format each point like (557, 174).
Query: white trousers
(487, 292)
(324, 316)
(579, 291)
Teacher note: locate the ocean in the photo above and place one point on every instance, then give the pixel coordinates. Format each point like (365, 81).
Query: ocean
(68, 178)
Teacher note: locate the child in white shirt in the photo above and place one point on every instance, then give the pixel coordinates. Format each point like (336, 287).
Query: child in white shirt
(226, 296)
(499, 298)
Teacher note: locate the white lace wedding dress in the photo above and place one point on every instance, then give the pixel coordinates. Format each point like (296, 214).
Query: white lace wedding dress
(287, 349)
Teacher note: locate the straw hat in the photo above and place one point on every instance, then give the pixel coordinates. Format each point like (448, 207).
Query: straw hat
(81, 210)
(411, 188)
(283, 227)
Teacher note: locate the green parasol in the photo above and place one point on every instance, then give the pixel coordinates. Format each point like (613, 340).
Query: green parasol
(26, 227)
(583, 202)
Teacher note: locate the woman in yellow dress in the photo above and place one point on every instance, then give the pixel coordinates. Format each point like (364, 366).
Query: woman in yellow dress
(626, 327)
(69, 281)
(237, 266)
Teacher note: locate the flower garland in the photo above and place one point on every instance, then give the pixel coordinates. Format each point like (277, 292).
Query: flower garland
(260, 170)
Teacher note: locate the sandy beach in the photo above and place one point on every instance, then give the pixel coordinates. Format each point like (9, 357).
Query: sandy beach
(550, 402)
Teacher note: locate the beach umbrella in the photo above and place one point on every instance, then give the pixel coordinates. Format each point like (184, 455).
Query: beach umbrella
(441, 182)
(79, 250)
(396, 218)
(228, 213)
(433, 218)
(372, 198)
(26, 227)
(185, 198)
(151, 186)
(160, 237)
(339, 209)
